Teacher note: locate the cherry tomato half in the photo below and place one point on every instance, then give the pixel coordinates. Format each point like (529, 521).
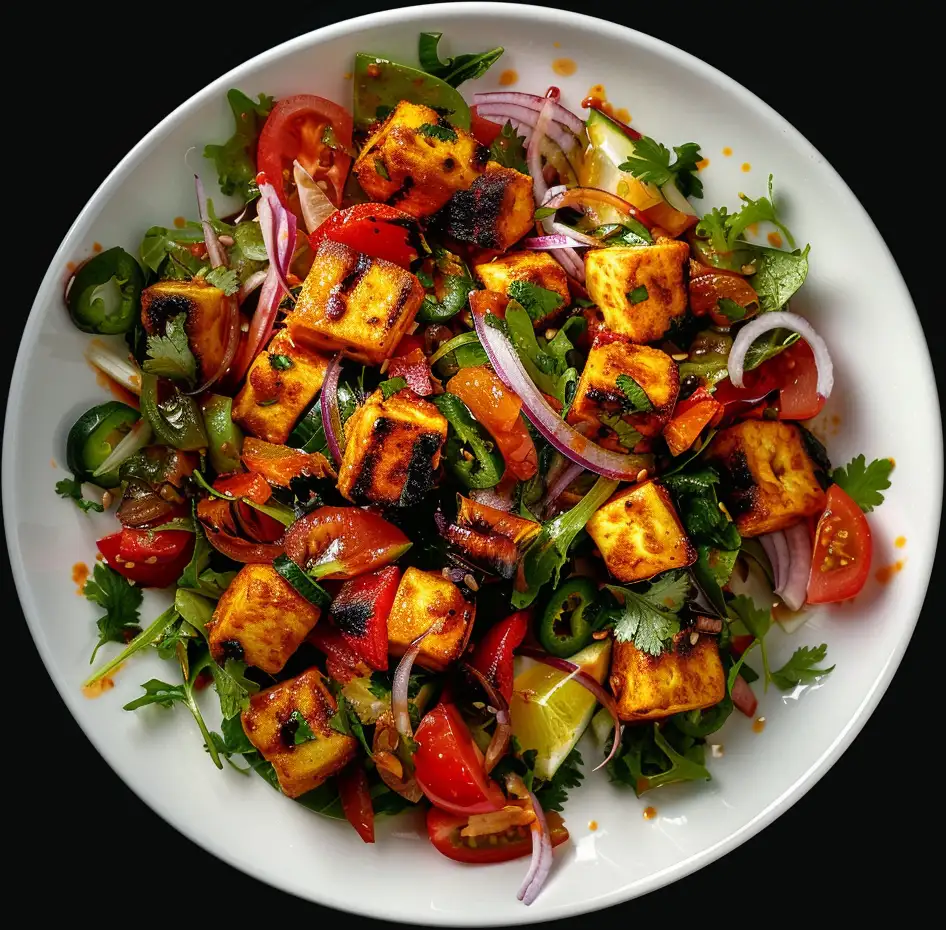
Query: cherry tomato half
(375, 229)
(841, 561)
(149, 559)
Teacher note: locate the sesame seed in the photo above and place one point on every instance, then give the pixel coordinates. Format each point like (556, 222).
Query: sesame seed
(470, 582)
(748, 269)
(550, 333)
(642, 475)
(107, 499)
(151, 560)
(680, 356)
(694, 638)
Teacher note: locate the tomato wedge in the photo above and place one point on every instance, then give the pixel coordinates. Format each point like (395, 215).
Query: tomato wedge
(443, 830)
(355, 795)
(312, 130)
(483, 130)
(690, 417)
(843, 548)
(149, 559)
(448, 765)
(360, 611)
(374, 229)
(248, 484)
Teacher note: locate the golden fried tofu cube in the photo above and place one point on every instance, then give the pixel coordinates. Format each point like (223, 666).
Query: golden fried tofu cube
(392, 450)
(496, 212)
(537, 268)
(272, 723)
(639, 289)
(416, 160)
(767, 478)
(639, 533)
(260, 619)
(280, 386)
(598, 392)
(686, 677)
(423, 599)
(352, 302)
(208, 318)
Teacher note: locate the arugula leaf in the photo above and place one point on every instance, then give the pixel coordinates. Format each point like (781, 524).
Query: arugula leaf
(538, 302)
(391, 386)
(508, 149)
(454, 71)
(638, 295)
(637, 399)
(647, 759)
(71, 489)
(170, 355)
(862, 482)
(723, 228)
(158, 692)
(441, 133)
(223, 278)
(651, 164)
(730, 309)
(120, 600)
(758, 621)
(649, 620)
(800, 668)
(235, 160)
(553, 794)
(233, 687)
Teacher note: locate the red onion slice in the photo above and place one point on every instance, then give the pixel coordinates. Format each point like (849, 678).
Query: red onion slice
(794, 588)
(541, 864)
(331, 418)
(566, 140)
(533, 102)
(776, 548)
(601, 694)
(251, 284)
(492, 497)
(215, 251)
(555, 241)
(278, 226)
(564, 479)
(581, 239)
(402, 675)
(781, 319)
(503, 732)
(534, 154)
(556, 431)
(315, 204)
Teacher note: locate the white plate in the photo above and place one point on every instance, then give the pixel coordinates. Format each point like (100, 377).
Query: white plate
(676, 98)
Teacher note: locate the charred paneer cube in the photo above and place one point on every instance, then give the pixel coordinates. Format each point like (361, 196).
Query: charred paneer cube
(601, 392)
(423, 599)
(260, 619)
(688, 676)
(207, 325)
(495, 213)
(355, 303)
(392, 450)
(639, 533)
(639, 289)
(280, 386)
(416, 160)
(289, 725)
(535, 268)
(767, 479)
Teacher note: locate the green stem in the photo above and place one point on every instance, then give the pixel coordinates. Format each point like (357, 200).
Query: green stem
(208, 740)
(145, 638)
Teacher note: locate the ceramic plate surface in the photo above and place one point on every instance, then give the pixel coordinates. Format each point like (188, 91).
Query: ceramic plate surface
(676, 98)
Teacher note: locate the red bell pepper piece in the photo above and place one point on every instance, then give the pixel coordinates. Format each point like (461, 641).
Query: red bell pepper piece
(250, 485)
(361, 611)
(355, 795)
(341, 661)
(493, 655)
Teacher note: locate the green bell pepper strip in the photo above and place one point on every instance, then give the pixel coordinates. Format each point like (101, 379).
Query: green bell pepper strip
(176, 421)
(571, 607)
(484, 468)
(225, 438)
(104, 296)
(94, 436)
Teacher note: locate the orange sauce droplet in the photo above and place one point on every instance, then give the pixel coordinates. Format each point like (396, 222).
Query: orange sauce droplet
(98, 688)
(892, 460)
(836, 420)
(180, 222)
(758, 725)
(753, 228)
(71, 267)
(597, 90)
(557, 44)
(564, 66)
(96, 246)
(117, 391)
(702, 163)
(52, 463)
(80, 575)
(99, 557)
(592, 825)
(650, 813)
(900, 542)
(775, 240)
(727, 151)
(623, 114)
(746, 166)
(508, 77)
(885, 574)
(347, 76)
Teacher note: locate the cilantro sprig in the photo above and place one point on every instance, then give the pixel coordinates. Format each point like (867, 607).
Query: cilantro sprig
(649, 619)
(800, 668)
(723, 228)
(170, 356)
(71, 489)
(862, 482)
(119, 599)
(651, 164)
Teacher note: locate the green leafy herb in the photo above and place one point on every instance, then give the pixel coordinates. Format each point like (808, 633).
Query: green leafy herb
(778, 276)
(382, 168)
(637, 399)
(508, 149)
(758, 621)
(391, 386)
(800, 668)
(651, 164)
(628, 437)
(223, 278)
(695, 496)
(71, 489)
(454, 71)
(649, 619)
(170, 356)
(303, 732)
(119, 599)
(166, 252)
(280, 362)
(233, 687)
(346, 720)
(638, 295)
(538, 302)
(553, 793)
(723, 228)
(544, 212)
(647, 759)
(627, 232)
(235, 160)
(730, 309)
(862, 482)
(548, 367)
(712, 570)
(436, 131)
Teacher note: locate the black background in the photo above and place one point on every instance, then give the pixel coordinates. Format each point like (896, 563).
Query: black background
(101, 78)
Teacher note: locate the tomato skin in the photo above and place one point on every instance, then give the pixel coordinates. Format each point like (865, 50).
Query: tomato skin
(494, 653)
(484, 130)
(171, 549)
(743, 697)
(690, 417)
(293, 131)
(355, 796)
(415, 370)
(443, 830)
(448, 765)
(830, 581)
(709, 285)
(360, 610)
(375, 229)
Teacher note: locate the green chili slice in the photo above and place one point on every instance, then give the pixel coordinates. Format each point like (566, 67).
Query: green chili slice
(104, 296)
(94, 436)
(176, 421)
(470, 452)
(224, 437)
(566, 624)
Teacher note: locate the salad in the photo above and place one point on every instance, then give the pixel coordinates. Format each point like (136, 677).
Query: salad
(463, 433)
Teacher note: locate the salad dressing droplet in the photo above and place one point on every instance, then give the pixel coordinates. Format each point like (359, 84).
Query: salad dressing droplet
(758, 725)
(650, 813)
(746, 166)
(727, 151)
(508, 77)
(592, 825)
(564, 66)
(900, 542)
(885, 574)
(98, 688)
(80, 575)
(775, 240)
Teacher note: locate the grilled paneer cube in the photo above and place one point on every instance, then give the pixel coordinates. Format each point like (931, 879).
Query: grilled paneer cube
(599, 393)
(639, 533)
(352, 302)
(416, 160)
(260, 619)
(640, 289)
(767, 478)
(495, 213)
(280, 386)
(392, 450)
(537, 268)
(686, 677)
(423, 599)
(207, 323)
(279, 722)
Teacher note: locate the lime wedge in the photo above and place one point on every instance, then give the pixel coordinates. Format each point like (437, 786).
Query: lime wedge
(550, 711)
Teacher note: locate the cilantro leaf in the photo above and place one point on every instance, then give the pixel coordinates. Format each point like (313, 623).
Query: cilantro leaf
(638, 295)
(637, 399)
(538, 302)
(508, 149)
(120, 600)
(392, 386)
(669, 590)
(553, 794)
(280, 362)
(800, 668)
(233, 687)
(224, 278)
(71, 489)
(649, 619)
(158, 692)
(303, 732)
(862, 482)
(694, 494)
(454, 71)
(436, 131)
(777, 277)
(170, 355)
(651, 164)
(235, 160)
(648, 759)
